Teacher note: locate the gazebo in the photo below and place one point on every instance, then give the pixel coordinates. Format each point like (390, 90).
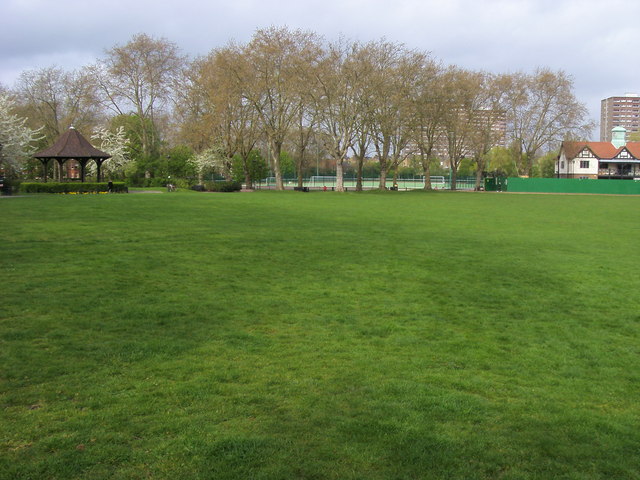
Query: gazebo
(72, 146)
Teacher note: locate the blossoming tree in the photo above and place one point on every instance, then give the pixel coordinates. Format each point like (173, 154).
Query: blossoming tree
(16, 139)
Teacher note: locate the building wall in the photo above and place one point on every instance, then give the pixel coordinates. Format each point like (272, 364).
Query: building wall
(574, 168)
(498, 122)
(619, 112)
(72, 169)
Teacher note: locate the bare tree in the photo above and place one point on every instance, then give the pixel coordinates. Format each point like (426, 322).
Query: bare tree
(57, 99)
(428, 112)
(336, 102)
(193, 106)
(384, 115)
(394, 73)
(301, 136)
(541, 110)
(489, 119)
(464, 94)
(276, 74)
(362, 69)
(360, 147)
(226, 116)
(138, 77)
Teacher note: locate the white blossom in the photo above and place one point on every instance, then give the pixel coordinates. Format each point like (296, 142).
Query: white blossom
(211, 158)
(16, 138)
(115, 144)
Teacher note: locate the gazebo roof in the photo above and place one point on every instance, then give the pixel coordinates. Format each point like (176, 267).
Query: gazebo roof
(72, 145)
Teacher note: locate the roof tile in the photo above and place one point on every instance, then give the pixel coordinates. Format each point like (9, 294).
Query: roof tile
(71, 144)
(602, 150)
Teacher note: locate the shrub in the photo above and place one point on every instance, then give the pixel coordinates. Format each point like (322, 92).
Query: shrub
(8, 186)
(72, 187)
(223, 186)
(182, 182)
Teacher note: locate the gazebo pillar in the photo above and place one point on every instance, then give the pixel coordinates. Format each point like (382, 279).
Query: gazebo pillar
(61, 168)
(83, 165)
(99, 162)
(45, 162)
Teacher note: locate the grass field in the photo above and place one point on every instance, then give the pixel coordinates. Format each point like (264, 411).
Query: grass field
(320, 336)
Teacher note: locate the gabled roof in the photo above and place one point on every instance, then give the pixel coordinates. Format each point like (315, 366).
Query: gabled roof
(72, 145)
(601, 150)
(634, 149)
(622, 150)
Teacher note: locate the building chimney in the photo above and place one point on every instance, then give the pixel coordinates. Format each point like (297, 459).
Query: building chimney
(619, 137)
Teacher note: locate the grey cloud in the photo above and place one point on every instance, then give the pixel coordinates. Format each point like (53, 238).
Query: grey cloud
(496, 35)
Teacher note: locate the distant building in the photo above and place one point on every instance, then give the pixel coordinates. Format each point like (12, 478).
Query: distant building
(617, 159)
(619, 112)
(495, 119)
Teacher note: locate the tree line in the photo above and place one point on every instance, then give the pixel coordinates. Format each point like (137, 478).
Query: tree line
(292, 96)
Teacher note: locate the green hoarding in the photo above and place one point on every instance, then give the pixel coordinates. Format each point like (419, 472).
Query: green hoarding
(572, 185)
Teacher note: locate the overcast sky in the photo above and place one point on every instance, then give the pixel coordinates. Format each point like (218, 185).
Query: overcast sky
(594, 41)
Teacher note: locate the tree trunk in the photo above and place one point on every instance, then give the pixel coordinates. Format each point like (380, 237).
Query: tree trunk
(275, 157)
(278, 175)
(300, 162)
(479, 174)
(454, 177)
(146, 147)
(426, 166)
(248, 181)
(339, 175)
(300, 175)
(228, 167)
(529, 164)
(383, 175)
(360, 167)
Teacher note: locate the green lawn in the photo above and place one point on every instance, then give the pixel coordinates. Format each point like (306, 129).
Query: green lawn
(320, 336)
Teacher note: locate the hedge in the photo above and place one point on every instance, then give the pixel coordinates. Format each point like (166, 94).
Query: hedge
(223, 186)
(72, 187)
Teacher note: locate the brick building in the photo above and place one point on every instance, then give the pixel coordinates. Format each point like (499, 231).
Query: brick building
(619, 112)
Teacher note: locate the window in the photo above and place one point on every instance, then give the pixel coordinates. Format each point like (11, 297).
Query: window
(562, 164)
(584, 163)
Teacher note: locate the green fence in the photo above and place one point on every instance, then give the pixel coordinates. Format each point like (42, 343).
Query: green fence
(495, 184)
(572, 185)
(318, 182)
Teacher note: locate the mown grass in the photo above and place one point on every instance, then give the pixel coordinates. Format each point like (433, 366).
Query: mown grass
(320, 336)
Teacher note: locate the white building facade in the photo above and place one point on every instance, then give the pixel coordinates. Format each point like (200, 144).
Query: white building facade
(617, 159)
